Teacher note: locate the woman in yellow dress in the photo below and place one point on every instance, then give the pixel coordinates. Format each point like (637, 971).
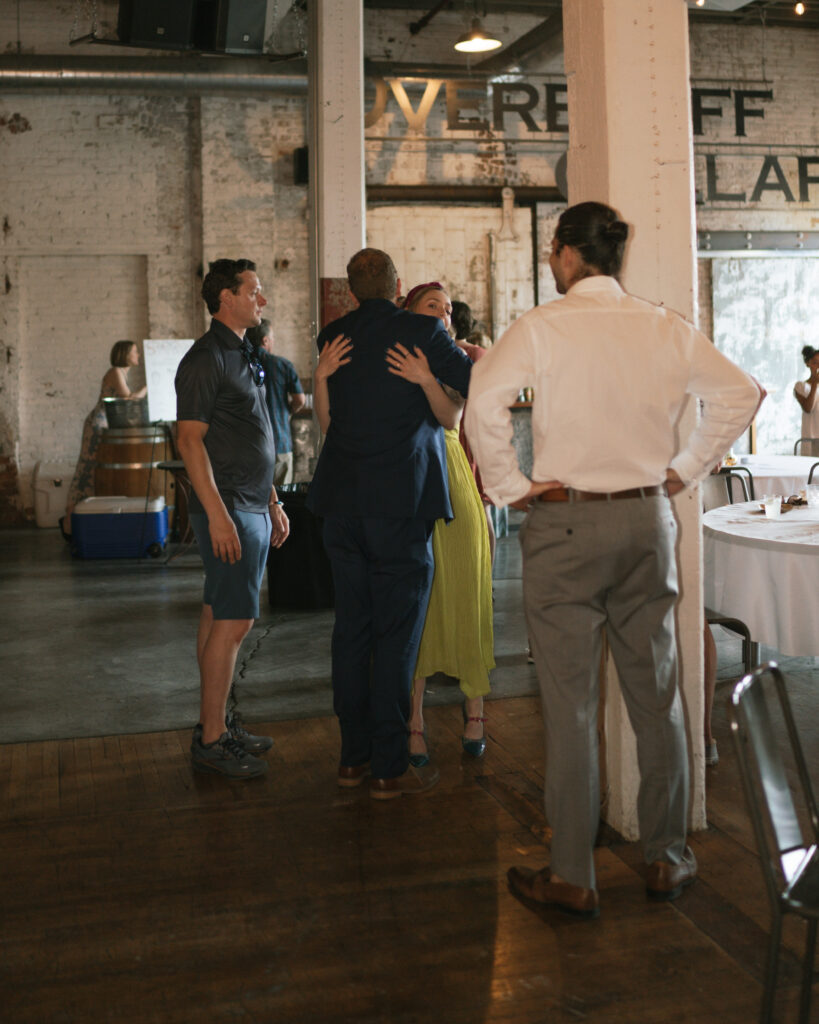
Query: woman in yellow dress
(457, 637)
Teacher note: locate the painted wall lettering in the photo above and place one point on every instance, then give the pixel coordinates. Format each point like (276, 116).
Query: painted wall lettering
(769, 177)
(542, 108)
(699, 110)
(532, 108)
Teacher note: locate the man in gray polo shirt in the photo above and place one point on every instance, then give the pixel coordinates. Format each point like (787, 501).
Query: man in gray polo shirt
(226, 441)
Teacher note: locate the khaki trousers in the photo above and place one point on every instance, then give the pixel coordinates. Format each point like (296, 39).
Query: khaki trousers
(587, 565)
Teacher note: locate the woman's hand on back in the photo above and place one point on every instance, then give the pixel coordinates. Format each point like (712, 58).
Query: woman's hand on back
(412, 366)
(332, 356)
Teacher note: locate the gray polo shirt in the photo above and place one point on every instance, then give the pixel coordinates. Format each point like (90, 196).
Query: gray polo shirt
(214, 384)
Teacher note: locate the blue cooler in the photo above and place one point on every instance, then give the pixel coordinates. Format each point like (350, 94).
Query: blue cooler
(119, 527)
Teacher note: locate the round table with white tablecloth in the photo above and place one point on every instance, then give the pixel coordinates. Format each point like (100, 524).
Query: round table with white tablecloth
(778, 474)
(766, 573)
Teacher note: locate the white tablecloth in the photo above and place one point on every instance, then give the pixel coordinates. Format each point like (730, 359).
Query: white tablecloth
(778, 474)
(766, 573)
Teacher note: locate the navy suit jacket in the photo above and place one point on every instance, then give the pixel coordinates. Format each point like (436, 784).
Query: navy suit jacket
(384, 455)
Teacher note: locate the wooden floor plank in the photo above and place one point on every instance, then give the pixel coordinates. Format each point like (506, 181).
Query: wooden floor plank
(141, 892)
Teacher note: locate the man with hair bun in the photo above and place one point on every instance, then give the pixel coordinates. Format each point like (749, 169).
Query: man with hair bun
(610, 374)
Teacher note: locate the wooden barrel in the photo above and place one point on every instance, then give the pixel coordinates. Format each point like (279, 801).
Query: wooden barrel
(127, 460)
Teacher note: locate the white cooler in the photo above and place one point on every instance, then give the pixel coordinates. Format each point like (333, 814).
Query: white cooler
(51, 482)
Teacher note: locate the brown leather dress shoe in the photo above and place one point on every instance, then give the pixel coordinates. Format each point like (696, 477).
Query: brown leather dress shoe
(536, 887)
(414, 780)
(352, 775)
(665, 881)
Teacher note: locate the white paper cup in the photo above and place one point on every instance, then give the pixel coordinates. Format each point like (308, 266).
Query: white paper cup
(773, 507)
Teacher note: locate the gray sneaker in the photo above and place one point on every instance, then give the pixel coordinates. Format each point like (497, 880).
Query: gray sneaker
(224, 757)
(252, 744)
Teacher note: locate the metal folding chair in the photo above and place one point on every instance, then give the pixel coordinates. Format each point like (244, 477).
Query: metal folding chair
(731, 473)
(790, 861)
(802, 440)
(750, 650)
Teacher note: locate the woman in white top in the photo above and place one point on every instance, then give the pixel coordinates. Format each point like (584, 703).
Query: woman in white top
(124, 355)
(806, 393)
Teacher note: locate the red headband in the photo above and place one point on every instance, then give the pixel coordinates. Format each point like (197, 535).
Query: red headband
(420, 288)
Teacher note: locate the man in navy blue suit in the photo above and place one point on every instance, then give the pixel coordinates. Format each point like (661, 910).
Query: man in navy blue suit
(380, 484)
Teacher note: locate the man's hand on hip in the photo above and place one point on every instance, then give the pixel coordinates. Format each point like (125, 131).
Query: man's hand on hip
(536, 488)
(673, 483)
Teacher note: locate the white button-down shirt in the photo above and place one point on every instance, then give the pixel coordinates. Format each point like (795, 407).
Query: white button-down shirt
(610, 374)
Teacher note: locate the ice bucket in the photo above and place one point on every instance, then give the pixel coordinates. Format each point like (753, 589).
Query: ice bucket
(126, 412)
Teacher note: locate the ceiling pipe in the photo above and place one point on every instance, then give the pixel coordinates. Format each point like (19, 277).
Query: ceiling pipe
(191, 76)
(417, 26)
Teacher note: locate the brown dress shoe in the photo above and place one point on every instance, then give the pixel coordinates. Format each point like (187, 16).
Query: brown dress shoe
(414, 780)
(352, 775)
(665, 881)
(536, 887)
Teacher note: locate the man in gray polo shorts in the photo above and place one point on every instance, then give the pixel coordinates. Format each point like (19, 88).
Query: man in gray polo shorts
(226, 441)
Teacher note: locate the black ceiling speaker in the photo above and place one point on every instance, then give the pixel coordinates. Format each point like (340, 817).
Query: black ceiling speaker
(158, 24)
(231, 26)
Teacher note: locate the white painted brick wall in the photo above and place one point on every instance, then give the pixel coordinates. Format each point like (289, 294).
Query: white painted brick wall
(450, 244)
(160, 182)
(66, 337)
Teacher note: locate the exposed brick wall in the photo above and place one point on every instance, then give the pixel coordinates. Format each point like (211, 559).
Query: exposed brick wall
(11, 514)
(112, 204)
(110, 207)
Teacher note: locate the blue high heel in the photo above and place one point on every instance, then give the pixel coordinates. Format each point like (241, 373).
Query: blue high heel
(419, 760)
(475, 748)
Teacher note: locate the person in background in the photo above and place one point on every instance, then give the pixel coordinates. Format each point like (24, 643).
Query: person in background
(599, 537)
(463, 322)
(805, 393)
(124, 356)
(463, 325)
(225, 439)
(478, 336)
(283, 393)
(380, 484)
(457, 637)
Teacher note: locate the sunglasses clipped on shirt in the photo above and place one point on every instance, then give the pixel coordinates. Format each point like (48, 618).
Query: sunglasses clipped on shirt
(256, 367)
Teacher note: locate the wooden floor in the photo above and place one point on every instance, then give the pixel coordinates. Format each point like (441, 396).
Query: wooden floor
(133, 890)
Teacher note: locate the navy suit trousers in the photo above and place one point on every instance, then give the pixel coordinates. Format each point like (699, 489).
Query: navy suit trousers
(382, 571)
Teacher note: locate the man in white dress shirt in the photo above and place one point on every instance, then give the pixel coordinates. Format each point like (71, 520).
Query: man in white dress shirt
(610, 374)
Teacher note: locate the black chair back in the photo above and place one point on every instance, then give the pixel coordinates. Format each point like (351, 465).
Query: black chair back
(790, 859)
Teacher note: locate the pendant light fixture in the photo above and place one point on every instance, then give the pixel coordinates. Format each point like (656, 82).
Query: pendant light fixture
(477, 39)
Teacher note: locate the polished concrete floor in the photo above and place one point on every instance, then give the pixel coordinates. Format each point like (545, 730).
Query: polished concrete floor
(103, 647)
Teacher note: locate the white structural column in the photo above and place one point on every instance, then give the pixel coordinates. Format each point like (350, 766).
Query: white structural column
(627, 66)
(336, 66)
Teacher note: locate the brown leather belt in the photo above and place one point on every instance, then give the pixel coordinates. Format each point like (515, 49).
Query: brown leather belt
(570, 494)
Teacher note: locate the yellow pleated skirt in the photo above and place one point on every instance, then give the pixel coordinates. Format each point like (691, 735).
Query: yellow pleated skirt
(457, 637)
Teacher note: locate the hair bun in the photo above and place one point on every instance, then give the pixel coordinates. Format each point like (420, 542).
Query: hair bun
(617, 231)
